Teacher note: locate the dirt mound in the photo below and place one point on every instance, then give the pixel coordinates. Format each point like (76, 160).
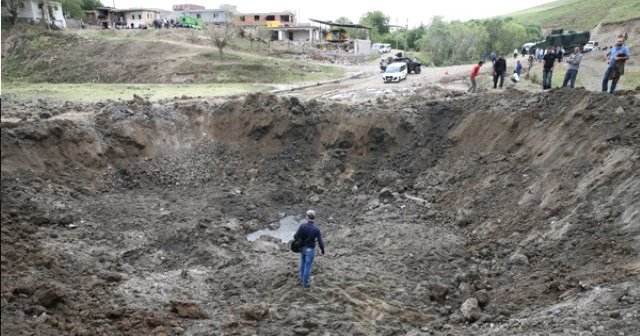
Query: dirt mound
(500, 214)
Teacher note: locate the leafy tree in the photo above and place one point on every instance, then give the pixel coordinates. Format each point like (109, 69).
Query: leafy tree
(72, 8)
(13, 7)
(376, 20)
(91, 4)
(343, 20)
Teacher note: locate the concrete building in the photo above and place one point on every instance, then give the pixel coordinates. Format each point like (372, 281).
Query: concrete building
(33, 11)
(183, 7)
(275, 19)
(137, 17)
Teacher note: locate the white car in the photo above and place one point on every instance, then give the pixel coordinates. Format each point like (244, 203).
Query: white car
(590, 46)
(381, 47)
(395, 72)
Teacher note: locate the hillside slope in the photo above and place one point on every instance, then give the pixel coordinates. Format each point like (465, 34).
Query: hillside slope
(139, 57)
(579, 14)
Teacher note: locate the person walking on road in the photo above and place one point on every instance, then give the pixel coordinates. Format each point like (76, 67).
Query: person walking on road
(616, 57)
(499, 68)
(309, 233)
(547, 68)
(474, 74)
(573, 64)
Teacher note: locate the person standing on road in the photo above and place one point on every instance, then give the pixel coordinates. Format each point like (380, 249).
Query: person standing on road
(515, 53)
(474, 74)
(573, 63)
(493, 56)
(547, 68)
(308, 233)
(616, 56)
(499, 68)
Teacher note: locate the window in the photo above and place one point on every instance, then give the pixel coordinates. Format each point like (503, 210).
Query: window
(215, 15)
(242, 18)
(198, 16)
(284, 18)
(133, 17)
(256, 18)
(140, 16)
(270, 17)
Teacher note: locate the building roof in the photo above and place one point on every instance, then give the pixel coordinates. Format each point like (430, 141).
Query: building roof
(346, 25)
(269, 13)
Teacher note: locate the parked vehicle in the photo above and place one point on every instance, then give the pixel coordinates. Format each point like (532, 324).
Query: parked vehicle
(412, 64)
(590, 46)
(381, 47)
(395, 72)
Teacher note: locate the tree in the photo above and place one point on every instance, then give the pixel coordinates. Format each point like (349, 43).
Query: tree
(72, 8)
(376, 20)
(13, 7)
(343, 20)
(221, 36)
(90, 4)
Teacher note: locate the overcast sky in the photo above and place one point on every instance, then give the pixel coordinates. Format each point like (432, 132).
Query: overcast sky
(400, 12)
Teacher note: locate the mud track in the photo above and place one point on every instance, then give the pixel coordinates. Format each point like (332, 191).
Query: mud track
(498, 214)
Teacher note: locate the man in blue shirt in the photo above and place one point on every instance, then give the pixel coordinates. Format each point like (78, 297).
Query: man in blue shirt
(308, 233)
(616, 56)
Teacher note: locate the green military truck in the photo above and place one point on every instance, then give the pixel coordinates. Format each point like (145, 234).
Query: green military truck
(186, 21)
(567, 40)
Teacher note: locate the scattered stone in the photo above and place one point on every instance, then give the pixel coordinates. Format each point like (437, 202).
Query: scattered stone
(188, 309)
(256, 313)
(470, 309)
(49, 296)
(519, 259)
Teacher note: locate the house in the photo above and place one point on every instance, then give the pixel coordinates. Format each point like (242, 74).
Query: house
(276, 19)
(33, 11)
(102, 16)
(302, 32)
(136, 17)
(183, 7)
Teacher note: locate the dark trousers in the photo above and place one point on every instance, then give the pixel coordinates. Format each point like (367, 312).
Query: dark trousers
(546, 78)
(605, 81)
(570, 76)
(495, 79)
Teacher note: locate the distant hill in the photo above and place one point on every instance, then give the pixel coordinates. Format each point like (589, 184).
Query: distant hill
(579, 14)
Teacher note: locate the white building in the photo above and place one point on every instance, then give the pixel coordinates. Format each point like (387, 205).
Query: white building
(33, 11)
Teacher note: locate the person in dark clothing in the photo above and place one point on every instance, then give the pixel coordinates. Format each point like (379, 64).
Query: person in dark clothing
(499, 68)
(308, 233)
(548, 60)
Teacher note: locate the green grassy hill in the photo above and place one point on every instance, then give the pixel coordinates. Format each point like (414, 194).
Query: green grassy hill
(579, 14)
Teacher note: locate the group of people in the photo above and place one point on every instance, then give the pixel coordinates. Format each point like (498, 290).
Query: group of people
(616, 57)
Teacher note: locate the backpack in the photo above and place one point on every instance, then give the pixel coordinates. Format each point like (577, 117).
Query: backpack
(296, 245)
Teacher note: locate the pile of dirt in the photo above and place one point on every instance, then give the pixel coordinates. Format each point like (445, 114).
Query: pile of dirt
(499, 214)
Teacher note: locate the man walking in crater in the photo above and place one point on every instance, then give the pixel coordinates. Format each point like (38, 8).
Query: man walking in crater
(308, 233)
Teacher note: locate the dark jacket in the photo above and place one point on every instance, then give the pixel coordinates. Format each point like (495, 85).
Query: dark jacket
(500, 66)
(548, 59)
(309, 233)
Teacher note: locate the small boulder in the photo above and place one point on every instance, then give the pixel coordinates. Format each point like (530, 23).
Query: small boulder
(470, 309)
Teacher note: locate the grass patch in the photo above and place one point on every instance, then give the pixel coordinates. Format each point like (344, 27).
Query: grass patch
(578, 14)
(92, 92)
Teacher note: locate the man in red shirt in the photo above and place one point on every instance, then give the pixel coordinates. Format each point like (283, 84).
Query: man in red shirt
(474, 74)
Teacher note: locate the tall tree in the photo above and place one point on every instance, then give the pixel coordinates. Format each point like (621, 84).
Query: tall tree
(91, 4)
(72, 8)
(13, 7)
(376, 20)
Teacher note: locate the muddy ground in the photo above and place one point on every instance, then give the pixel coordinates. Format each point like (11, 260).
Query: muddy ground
(443, 214)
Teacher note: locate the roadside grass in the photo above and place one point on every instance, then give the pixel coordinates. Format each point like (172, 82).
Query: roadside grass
(578, 14)
(110, 56)
(92, 92)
